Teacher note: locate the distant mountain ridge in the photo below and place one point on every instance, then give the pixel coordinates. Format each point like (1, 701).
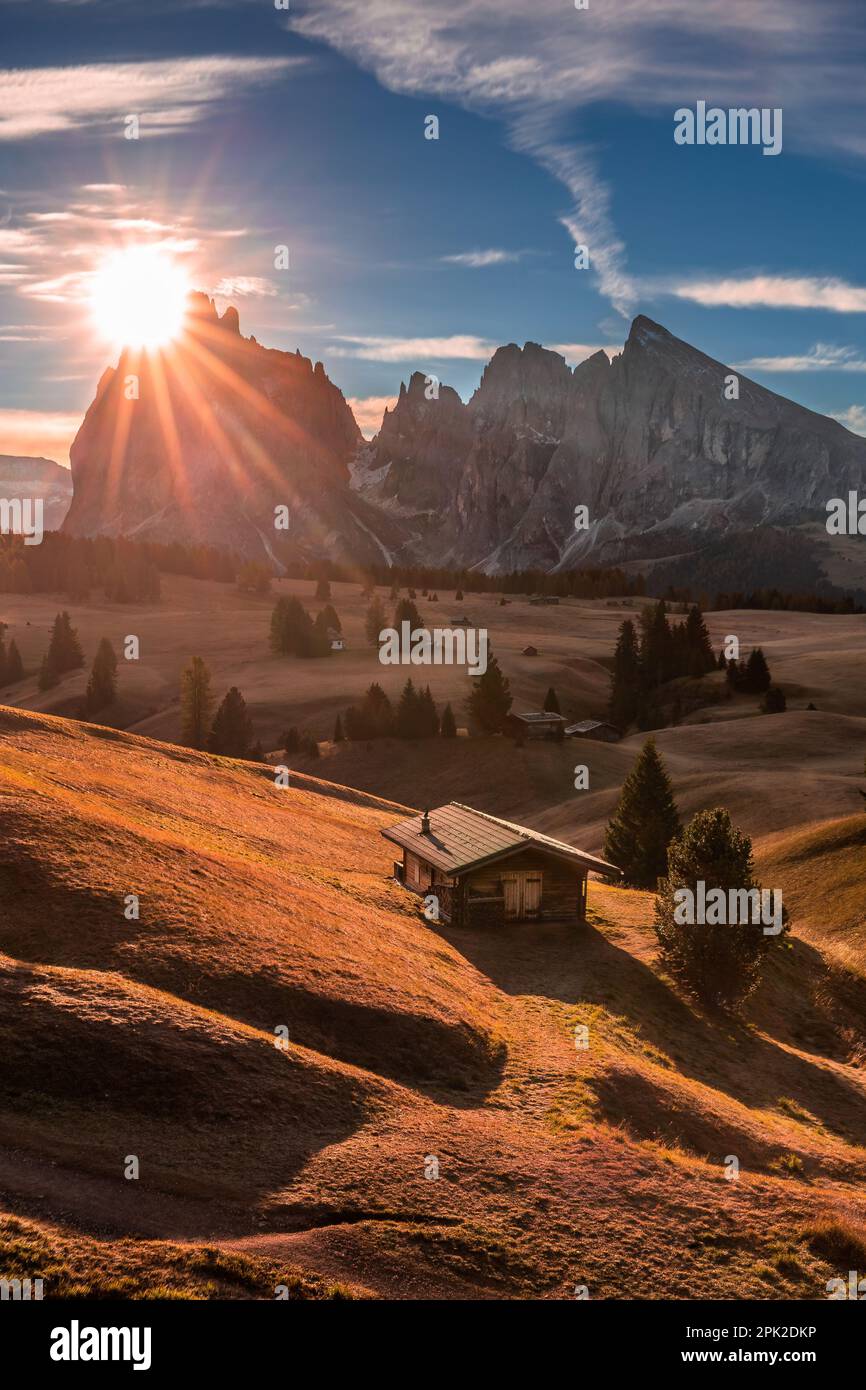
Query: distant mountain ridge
(38, 477)
(648, 442)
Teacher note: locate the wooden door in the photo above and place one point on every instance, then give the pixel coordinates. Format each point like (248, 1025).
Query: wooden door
(511, 885)
(531, 895)
(522, 895)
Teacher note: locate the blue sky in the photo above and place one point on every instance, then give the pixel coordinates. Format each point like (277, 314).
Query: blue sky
(262, 126)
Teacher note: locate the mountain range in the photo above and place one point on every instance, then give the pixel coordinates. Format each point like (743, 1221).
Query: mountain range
(222, 431)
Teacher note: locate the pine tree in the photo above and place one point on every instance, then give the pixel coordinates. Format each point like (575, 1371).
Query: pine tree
(774, 701)
(406, 612)
(14, 669)
(323, 590)
(656, 648)
(102, 685)
(699, 648)
(718, 963)
(64, 648)
(448, 727)
(458, 595)
(232, 732)
(291, 741)
(625, 692)
(644, 822)
(375, 621)
(196, 704)
(428, 719)
(310, 746)
(339, 736)
(328, 618)
(490, 699)
(551, 704)
(757, 677)
(409, 721)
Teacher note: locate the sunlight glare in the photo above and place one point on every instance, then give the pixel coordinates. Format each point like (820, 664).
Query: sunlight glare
(139, 298)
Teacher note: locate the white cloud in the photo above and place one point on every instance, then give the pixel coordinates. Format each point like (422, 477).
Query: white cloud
(823, 357)
(458, 346)
(164, 94)
(368, 411)
(476, 260)
(536, 66)
(775, 292)
(579, 352)
(854, 418)
(244, 287)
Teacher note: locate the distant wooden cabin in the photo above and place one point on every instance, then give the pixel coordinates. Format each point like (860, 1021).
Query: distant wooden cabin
(540, 600)
(542, 724)
(530, 651)
(485, 871)
(593, 728)
(336, 640)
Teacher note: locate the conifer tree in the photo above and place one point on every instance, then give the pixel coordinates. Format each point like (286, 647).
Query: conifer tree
(428, 719)
(490, 700)
(644, 822)
(699, 648)
(551, 704)
(339, 736)
(323, 589)
(14, 668)
(406, 612)
(328, 617)
(625, 692)
(719, 963)
(375, 621)
(102, 685)
(196, 704)
(232, 732)
(409, 721)
(448, 727)
(757, 676)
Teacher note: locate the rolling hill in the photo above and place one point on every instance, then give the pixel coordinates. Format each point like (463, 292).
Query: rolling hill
(263, 908)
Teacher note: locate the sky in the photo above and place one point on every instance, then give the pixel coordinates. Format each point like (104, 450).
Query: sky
(304, 125)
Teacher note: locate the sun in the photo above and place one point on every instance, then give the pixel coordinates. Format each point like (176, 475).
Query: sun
(138, 298)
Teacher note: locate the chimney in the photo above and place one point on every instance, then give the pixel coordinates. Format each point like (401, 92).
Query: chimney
(425, 823)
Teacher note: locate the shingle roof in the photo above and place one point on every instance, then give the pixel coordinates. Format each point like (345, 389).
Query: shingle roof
(540, 717)
(461, 838)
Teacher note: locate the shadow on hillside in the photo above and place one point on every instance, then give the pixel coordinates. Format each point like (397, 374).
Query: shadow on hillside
(97, 1070)
(46, 920)
(579, 964)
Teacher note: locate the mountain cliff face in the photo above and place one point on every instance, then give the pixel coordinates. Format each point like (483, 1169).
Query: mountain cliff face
(224, 430)
(648, 443)
(202, 443)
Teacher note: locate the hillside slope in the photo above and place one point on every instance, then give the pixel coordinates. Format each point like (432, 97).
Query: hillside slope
(262, 907)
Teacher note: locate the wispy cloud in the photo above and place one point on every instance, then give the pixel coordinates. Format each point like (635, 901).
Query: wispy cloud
(372, 349)
(477, 260)
(244, 287)
(537, 67)
(165, 95)
(775, 292)
(822, 357)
